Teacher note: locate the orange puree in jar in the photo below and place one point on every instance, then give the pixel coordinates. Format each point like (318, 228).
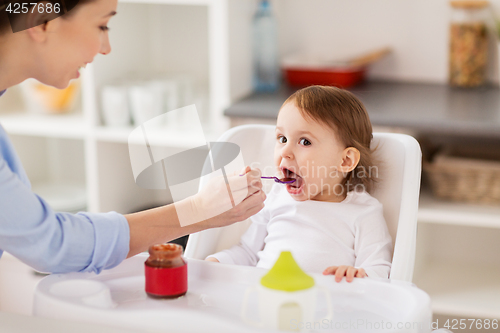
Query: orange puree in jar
(165, 271)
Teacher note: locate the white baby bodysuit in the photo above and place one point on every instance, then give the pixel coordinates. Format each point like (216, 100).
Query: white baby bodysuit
(319, 234)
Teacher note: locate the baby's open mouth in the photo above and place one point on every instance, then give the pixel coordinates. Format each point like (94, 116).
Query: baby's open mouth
(290, 174)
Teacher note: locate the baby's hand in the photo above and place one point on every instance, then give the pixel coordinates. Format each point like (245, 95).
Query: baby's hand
(211, 259)
(348, 271)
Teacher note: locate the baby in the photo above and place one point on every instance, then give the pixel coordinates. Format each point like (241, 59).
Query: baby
(326, 217)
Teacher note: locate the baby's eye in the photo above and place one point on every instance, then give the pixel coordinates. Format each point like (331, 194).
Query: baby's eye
(305, 142)
(281, 139)
(104, 28)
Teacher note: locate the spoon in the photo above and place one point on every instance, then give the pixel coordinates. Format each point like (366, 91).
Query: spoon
(281, 181)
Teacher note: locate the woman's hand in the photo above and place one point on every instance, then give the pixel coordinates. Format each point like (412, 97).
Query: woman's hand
(348, 271)
(212, 201)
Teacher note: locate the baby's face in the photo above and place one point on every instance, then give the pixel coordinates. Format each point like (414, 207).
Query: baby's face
(310, 152)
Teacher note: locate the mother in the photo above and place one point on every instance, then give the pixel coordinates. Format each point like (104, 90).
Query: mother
(51, 51)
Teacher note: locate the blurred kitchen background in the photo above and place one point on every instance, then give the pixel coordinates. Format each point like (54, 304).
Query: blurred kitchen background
(171, 53)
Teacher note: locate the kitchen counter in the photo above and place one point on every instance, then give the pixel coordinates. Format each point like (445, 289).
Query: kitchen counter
(418, 106)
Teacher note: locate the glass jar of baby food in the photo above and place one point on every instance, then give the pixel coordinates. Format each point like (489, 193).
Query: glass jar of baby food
(166, 271)
(468, 43)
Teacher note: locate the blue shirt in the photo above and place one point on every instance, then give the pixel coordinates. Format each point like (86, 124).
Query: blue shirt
(54, 242)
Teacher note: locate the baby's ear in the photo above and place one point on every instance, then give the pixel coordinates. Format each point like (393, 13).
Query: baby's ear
(350, 159)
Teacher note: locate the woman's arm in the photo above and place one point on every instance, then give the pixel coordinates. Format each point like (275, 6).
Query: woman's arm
(90, 242)
(160, 225)
(50, 241)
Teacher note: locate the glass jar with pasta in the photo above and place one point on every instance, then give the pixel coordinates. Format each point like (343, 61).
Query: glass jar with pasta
(468, 43)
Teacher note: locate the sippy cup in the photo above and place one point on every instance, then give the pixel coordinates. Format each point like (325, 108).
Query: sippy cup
(287, 297)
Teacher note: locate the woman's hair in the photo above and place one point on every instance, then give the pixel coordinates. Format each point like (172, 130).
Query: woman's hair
(10, 20)
(346, 115)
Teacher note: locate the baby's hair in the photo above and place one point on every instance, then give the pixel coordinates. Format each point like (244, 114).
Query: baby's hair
(346, 115)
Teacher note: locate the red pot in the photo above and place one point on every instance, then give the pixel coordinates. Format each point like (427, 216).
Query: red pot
(338, 77)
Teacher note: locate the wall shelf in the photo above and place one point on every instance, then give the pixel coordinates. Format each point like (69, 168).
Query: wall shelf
(469, 291)
(69, 126)
(432, 210)
(170, 137)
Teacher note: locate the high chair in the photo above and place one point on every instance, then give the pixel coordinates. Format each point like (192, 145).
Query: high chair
(399, 169)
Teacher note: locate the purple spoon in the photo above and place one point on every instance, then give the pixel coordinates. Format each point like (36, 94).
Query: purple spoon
(281, 181)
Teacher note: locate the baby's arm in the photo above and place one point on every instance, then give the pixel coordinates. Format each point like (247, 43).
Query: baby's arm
(373, 244)
(252, 241)
(348, 271)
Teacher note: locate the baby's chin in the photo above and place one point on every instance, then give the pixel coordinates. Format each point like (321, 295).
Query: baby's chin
(301, 196)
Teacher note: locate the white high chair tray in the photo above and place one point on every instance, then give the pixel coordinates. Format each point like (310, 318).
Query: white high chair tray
(213, 303)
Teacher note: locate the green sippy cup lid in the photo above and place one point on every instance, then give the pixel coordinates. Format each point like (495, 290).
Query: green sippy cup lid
(286, 275)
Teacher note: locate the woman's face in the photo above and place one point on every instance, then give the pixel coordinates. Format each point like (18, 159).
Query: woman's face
(73, 42)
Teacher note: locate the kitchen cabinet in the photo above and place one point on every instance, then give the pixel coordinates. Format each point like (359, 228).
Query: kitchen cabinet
(457, 261)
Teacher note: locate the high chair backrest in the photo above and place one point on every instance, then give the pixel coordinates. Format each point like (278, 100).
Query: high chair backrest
(398, 159)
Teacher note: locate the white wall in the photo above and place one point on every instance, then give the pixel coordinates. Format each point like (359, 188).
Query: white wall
(156, 39)
(415, 29)
(240, 50)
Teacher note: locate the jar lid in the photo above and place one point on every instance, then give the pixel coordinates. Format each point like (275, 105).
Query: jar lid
(166, 251)
(469, 4)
